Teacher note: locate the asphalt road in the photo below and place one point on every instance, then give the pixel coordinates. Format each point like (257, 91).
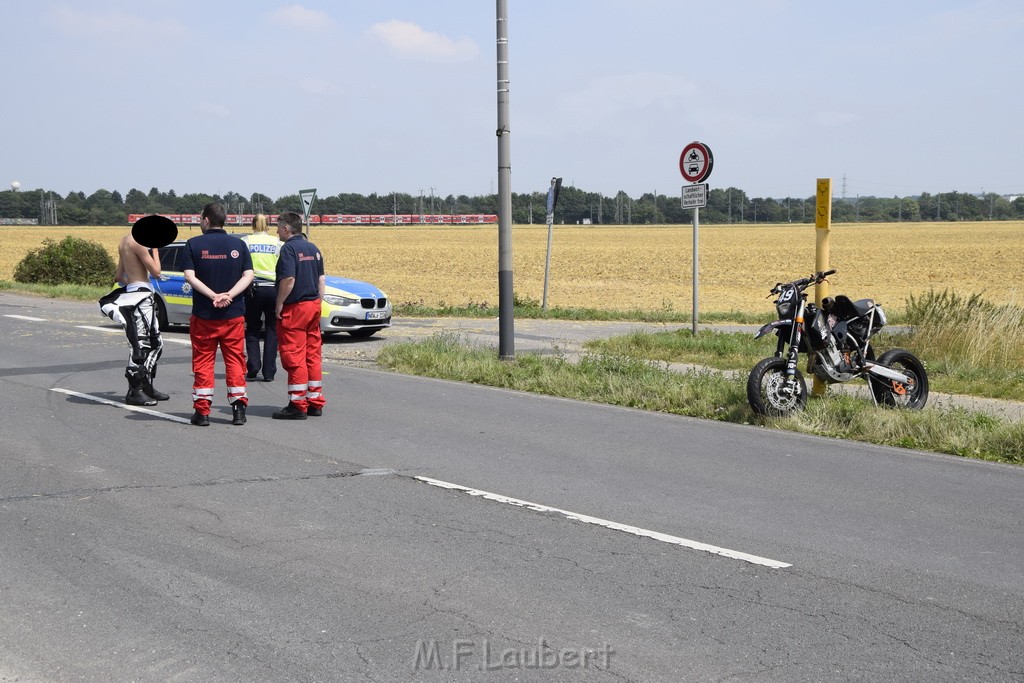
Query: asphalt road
(138, 547)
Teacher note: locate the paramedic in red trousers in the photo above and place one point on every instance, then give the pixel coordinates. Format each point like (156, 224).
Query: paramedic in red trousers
(300, 288)
(219, 269)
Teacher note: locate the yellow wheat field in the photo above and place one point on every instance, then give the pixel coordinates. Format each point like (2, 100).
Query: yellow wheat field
(646, 268)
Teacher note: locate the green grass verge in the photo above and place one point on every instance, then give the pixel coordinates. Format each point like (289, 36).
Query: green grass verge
(627, 381)
(618, 380)
(719, 350)
(75, 292)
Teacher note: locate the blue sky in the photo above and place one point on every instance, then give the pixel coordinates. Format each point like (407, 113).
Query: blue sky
(211, 96)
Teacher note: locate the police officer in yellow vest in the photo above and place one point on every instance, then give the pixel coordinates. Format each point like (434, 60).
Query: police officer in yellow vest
(261, 300)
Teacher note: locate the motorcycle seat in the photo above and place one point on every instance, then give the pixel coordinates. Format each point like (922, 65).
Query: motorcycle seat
(844, 308)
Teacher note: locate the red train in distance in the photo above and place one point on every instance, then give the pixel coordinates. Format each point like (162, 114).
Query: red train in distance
(245, 219)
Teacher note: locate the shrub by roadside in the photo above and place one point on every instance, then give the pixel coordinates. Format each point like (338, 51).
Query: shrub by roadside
(70, 261)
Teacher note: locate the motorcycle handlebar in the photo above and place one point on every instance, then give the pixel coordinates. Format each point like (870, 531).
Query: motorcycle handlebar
(805, 282)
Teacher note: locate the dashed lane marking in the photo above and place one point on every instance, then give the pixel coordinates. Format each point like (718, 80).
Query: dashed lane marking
(117, 404)
(25, 317)
(636, 531)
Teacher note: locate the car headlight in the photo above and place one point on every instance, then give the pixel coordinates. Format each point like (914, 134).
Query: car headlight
(335, 300)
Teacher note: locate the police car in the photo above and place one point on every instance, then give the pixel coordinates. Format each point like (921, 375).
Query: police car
(349, 305)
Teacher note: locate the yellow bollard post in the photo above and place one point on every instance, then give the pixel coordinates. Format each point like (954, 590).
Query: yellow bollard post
(822, 224)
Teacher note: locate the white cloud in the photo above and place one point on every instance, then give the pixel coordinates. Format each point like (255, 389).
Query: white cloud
(412, 42)
(113, 24)
(218, 111)
(299, 17)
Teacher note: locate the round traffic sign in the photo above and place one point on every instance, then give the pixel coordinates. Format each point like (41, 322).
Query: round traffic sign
(695, 162)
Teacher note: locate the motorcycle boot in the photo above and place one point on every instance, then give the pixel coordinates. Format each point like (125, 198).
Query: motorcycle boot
(149, 390)
(135, 395)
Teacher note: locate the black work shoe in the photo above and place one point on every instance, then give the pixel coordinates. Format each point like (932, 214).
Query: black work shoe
(135, 397)
(268, 379)
(238, 413)
(251, 377)
(314, 412)
(289, 412)
(200, 420)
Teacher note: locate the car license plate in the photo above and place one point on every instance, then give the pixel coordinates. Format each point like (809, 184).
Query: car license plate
(376, 315)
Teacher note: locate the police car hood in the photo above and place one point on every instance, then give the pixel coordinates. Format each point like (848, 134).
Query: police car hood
(353, 288)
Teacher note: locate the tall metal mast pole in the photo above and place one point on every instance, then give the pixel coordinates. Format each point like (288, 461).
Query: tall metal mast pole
(506, 317)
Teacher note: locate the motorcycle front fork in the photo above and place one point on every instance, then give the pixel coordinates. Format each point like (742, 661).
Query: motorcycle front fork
(792, 360)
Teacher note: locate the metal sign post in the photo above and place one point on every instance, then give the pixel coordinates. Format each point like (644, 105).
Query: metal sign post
(696, 269)
(556, 185)
(693, 197)
(695, 163)
(822, 224)
(506, 295)
(307, 197)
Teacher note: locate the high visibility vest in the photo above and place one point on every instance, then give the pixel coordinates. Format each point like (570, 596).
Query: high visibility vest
(264, 249)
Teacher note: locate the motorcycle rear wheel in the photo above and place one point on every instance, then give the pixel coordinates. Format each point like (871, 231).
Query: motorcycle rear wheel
(766, 389)
(894, 394)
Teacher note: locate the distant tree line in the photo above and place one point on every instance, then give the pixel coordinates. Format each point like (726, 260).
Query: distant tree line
(729, 205)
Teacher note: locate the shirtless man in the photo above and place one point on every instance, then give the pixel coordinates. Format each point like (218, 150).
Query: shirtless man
(133, 307)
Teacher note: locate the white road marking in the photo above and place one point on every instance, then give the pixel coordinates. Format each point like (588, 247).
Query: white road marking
(25, 317)
(118, 404)
(118, 330)
(637, 531)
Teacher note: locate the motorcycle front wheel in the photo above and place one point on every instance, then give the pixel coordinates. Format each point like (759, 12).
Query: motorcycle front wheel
(767, 392)
(896, 394)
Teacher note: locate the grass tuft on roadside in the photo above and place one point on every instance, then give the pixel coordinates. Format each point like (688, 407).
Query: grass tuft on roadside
(951, 430)
(973, 342)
